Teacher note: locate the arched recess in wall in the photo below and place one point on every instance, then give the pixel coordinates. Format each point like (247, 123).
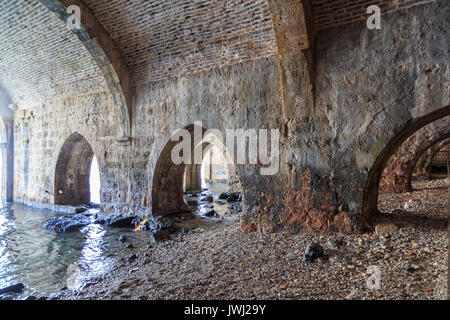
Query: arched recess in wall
(397, 174)
(193, 172)
(422, 168)
(168, 177)
(411, 169)
(72, 172)
(371, 188)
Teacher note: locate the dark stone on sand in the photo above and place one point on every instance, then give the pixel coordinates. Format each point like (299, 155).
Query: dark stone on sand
(312, 252)
(15, 288)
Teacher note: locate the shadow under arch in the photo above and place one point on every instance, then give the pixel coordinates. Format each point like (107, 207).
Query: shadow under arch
(72, 171)
(370, 191)
(168, 177)
(423, 167)
(193, 172)
(419, 155)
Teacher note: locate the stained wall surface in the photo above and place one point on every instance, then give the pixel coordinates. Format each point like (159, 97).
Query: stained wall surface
(335, 119)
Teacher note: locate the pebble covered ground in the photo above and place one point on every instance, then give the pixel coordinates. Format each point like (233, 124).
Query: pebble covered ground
(218, 261)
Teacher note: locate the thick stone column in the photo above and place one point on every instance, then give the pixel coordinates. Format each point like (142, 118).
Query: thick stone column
(193, 178)
(9, 192)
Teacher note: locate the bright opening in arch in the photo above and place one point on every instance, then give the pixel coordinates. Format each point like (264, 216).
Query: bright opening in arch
(94, 181)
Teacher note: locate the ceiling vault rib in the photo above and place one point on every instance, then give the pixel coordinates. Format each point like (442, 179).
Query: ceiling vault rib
(106, 55)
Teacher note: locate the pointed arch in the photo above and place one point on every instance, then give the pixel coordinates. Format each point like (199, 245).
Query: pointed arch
(371, 188)
(72, 171)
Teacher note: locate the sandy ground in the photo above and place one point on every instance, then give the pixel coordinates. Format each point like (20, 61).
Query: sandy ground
(218, 261)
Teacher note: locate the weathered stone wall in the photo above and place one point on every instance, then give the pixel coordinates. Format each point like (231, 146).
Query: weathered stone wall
(41, 134)
(6, 146)
(332, 13)
(241, 96)
(372, 84)
(335, 119)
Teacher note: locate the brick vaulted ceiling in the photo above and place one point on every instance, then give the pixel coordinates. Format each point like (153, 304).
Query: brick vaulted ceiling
(40, 58)
(163, 38)
(159, 39)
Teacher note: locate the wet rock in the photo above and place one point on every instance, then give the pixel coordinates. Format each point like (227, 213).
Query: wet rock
(131, 258)
(118, 221)
(122, 239)
(129, 246)
(208, 199)
(94, 205)
(224, 195)
(80, 209)
(67, 223)
(385, 227)
(312, 252)
(161, 235)
(15, 288)
(31, 298)
(236, 207)
(155, 224)
(192, 203)
(211, 214)
(99, 219)
(234, 197)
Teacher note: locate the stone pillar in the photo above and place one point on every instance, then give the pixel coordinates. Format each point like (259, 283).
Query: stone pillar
(193, 178)
(9, 192)
(7, 154)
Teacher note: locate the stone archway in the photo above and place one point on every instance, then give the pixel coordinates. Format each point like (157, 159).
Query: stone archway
(72, 171)
(422, 169)
(397, 173)
(371, 189)
(193, 174)
(168, 177)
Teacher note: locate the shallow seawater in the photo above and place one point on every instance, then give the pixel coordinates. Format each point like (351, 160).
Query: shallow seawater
(214, 188)
(46, 261)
